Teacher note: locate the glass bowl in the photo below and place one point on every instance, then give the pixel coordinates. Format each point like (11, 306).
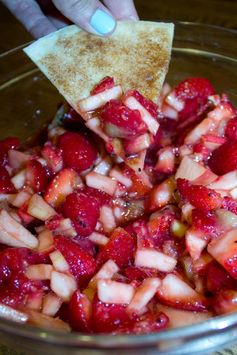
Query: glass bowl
(28, 103)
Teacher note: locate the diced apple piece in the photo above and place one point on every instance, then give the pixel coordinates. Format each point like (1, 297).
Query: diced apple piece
(94, 102)
(98, 238)
(117, 174)
(9, 313)
(166, 161)
(19, 179)
(51, 304)
(46, 241)
(63, 285)
(46, 322)
(132, 103)
(21, 198)
(104, 166)
(107, 218)
(138, 144)
(115, 292)
(174, 101)
(143, 295)
(178, 228)
(40, 209)
(66, 228)
(106, 271)
(198, 131)
(39, 272)
(94, 125)
(176, 293)
(225, 182)
(195, 243)
(59, 262)
(101, 182)
(224, 250)
(189, 169)
(17, 160)
(154, 259)
(187, 212)
(13, 233)
(161, 195)
(181, 318)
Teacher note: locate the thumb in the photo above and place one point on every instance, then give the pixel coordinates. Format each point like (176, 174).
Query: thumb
(91, 15)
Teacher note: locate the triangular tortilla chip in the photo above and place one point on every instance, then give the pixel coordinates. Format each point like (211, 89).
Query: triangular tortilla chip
(137, 55)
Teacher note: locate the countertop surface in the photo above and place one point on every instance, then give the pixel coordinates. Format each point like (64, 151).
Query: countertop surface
(216, 12)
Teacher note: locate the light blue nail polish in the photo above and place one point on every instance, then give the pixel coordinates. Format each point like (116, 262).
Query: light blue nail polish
(102, 22)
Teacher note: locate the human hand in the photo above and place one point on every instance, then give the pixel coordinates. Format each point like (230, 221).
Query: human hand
(44, 16)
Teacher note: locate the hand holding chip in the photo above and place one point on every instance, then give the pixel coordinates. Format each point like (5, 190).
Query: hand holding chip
(44, 16)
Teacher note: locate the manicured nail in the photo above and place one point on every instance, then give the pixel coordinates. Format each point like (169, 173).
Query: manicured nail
(102, 22)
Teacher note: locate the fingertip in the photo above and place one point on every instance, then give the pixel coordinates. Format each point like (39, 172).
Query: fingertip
(102, 22)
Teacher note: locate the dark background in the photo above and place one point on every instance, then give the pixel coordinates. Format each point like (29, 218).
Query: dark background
(215, 12)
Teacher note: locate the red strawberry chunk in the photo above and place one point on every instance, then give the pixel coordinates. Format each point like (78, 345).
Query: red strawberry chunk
(120, 249)
(199, 196)
(218, 278)
(139, 273)
(229, 204)
(231, 129)
(5, 146)
(224, 158)
(82, 264)
(102, 197)
(104, 84)
(145, 324)
(6, 186)
(194, 93)
(36, 176)
(83, 210)
(206, 222)
(77, 151)
(80, 311)
(120, 121)
(149, 105)
(53, 157)
(108, 316)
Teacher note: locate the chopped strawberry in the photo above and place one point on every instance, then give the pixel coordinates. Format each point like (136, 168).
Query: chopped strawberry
(119, 121)
(14, 286)
(82, 264)
(139, 273)
(104, 84)
(145, 324)
(229, 204)
(159, 227)
(53, 157)
(80, 311)
(36, 176)
(83, 210)
(201, 149)
(77, 151)
(62, 185)
(218, 278)
(107, 317)
(192, 93)
(231, 129)
(6, 186)
(102, 197)
(5, 146)
(25, 217)
(120, 249)
(224, 158)
(149, 105)
(199, 196)
(206, 222)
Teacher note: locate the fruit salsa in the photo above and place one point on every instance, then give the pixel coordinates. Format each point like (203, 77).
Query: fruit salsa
(130, 226)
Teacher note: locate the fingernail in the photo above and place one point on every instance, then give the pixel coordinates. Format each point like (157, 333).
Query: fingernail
(102, 22)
